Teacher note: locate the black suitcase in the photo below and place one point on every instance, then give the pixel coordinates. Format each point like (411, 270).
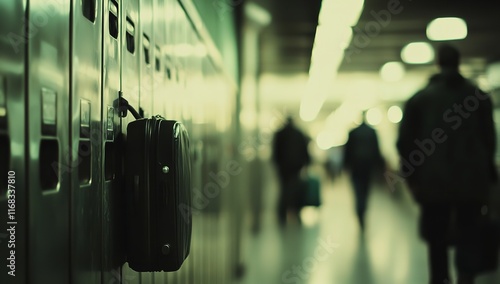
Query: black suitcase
(158, 175)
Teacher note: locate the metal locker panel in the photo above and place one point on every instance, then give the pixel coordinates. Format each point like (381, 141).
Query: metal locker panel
(86, 141)
(159, 26)
(170, 88)
(180, 55)
(130, 61)
(13, 141)
(113, 254)
(49, 157)
(130, 65)
(169, 68)
(146, 57)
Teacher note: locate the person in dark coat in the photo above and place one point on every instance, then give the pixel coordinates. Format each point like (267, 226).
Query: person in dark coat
(290, 154)
(361, 158)
(446, 145)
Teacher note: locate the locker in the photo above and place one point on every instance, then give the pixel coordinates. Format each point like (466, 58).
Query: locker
(12, 122)
(50, 159)
(61, 73)
(86, 142)
(130, 61)
(130, 83)
(113, 256)
(147, 60)
(158, 88)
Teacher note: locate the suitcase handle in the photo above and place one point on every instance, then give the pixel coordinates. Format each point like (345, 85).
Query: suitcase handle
(123, 106)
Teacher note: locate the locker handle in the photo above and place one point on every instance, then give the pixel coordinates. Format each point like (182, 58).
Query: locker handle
(123, 107)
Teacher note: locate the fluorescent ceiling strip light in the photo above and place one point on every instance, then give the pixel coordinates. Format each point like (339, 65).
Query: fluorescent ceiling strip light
(417, 53)
(447, 29)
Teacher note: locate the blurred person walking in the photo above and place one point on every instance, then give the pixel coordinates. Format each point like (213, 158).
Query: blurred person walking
(446, 145)
(362, 158)
(290, 154)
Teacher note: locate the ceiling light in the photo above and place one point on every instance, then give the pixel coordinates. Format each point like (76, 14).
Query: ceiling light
(447, 29)
(324, 140)
(392, 71)
(417, 53)
(374, 116)
(339, 12)
(257, 13)
(394, 114)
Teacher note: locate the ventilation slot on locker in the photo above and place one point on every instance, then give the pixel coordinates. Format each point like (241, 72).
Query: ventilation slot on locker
(157, 59)
(168, 72)
(50, 165)
(113, 19)
(89, 9)
(130, 36)
(145, 43)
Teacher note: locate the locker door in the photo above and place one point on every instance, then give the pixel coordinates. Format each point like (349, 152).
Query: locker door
(146, 54)
(49, 156)
(113, 255)
(86, 139)
(12, 140)
(169, 68)
(159, 22)
(130, 64)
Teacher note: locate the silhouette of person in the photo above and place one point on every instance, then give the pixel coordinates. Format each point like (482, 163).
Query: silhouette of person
(361, 157)
(446, 145)
(290, 155)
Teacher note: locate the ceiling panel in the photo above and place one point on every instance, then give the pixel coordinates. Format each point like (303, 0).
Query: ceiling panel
(286, 44)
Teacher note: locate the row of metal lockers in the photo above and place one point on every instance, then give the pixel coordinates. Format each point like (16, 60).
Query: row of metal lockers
(63, 64)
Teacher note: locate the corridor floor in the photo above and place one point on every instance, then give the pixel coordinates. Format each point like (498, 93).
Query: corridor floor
(330, 249)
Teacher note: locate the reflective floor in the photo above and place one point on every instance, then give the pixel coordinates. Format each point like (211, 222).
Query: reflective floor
(329, 247)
